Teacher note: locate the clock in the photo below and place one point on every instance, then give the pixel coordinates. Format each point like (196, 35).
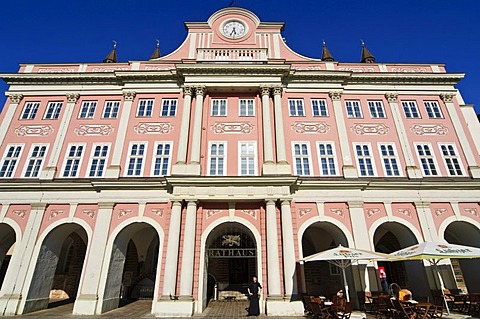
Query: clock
(234, 29)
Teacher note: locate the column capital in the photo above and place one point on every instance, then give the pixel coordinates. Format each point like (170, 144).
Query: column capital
(270, 202)
(129, 95)
(285, 201)
(447, 97)
(391, 97)
(38, 206)
(15, 98)
(200, 90)
(192, 203)
(72, 97)
(176, 203)
(355, 204)
(422, 204)
(335, 95)
(106, 205)
(277, 90)
(264, 90)
(187, 90)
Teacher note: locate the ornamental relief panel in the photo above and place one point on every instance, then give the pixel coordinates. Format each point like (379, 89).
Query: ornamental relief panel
(232, 127)
(124, 212)
(338, 212)
(212, 212)
(250, 212)
(93, 130)
(429, 129)
(89, 213)
(34, 130)
(439, 212)
(372, 212)
(158, 212)
(153, 128)
(405, 211)
(370, 129)
(471, 211)
(304, 211)
(54, 213)
(310, 127)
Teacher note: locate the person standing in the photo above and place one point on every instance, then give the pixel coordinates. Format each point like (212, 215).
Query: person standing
(254, 289)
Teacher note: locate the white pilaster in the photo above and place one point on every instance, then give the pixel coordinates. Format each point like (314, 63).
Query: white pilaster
(180, 166)
(9, 113)
(461, 134)
(283, 167)
(289, 260)
(88, 292)
(412, 170)
(359, 227)
(51, 168)
(197, 132)
(268, 164)
(473, 125)
(349, 170)
(171, 260)
(186, 272)
(113, 171)
(273, 267)
(426, 221)
(15, 287)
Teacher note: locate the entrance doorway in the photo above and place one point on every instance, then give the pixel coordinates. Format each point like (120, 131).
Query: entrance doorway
(7, 246)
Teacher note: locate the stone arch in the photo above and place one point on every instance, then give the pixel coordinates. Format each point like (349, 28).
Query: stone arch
(64, 244)
(133, 268)
(392, 236)
(8, 239)
(468, 234)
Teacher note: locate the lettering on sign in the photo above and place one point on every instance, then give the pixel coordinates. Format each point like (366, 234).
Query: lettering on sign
(232, 252)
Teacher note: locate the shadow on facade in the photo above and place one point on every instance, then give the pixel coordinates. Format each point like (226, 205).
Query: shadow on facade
(7, 246)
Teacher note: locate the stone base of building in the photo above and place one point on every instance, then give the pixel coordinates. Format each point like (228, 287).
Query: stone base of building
(32, 305)
(167, 308)
(85, 305)
(9, 304)
(283, 307)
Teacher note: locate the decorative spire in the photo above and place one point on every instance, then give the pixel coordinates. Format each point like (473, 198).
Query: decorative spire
(112, 56)
(156, 53)
(326, 55)
(367, 56)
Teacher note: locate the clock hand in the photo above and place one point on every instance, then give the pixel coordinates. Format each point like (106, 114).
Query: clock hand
(233, 32)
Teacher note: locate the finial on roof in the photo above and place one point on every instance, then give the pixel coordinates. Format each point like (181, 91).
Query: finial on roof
(156, 53)
(112, 56)
(367, 56)
(326, 55)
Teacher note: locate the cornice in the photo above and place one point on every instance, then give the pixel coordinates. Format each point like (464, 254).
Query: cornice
(405, 78)
(232, 69)
(223, 181)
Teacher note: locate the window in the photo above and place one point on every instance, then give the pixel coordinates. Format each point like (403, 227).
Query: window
(389, 160)
(110, 110)
(35, 160)
(301, 156)
(353, 108)
(161, 159)
(451, 160)
(217, 159)
(296, 107)
(98, 160)
(53, 110)
(10, 160)
(427, 160)
(88, 110)
(30, 110)
(219, 107)
(364, 159)
(326, 159)
(135, 159)
(410, 109)
(72, 161)
(376, 109)
(433, 109)
(248, 158)
(169, 107)
(319, 108)
(246, 107)
(145, 108)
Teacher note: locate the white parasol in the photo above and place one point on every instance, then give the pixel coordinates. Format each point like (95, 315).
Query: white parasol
(434, 252)
(343, 257)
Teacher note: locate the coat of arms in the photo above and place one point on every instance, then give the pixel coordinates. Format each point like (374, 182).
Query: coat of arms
(231, 240)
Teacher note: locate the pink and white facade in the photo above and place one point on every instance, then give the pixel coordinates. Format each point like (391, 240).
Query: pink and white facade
(177, 178)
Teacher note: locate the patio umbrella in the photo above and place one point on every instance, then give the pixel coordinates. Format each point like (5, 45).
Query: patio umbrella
(343, 257)
(434, 252)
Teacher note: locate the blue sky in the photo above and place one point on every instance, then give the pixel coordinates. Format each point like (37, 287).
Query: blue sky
(403, 31)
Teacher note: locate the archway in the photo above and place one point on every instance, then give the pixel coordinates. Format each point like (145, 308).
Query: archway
(393, 236)
(58, 269)
(321, 277)
(7, 246)
(133, 266)
(231, 260)
(465, 270)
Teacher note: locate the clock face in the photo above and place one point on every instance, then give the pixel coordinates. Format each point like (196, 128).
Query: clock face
(234, 29)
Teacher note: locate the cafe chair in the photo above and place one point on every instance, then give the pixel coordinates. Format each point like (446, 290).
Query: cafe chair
(319, 311)
(342, 312)
(404, 311)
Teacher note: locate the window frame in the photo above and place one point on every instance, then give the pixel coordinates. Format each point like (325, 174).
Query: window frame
(334, 156)
(146, 110)
(296, 110)
(434, 110)
(434, 159)
(255, 158)
(225, 149)
(29, 156)
(419, 116)
(169, 108)
(88, 111)
(90, 160)
(144, 156)
(320, 113)
(57, 109)
(371, 156)
(154, 158)
(32, 112)
(109, 116)
(376, 108)
(17, 161)
(65, 159)
(247, 114)
(397, 158)
(457, 155)
(294, 158)
(219, 113)
(354, 115)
